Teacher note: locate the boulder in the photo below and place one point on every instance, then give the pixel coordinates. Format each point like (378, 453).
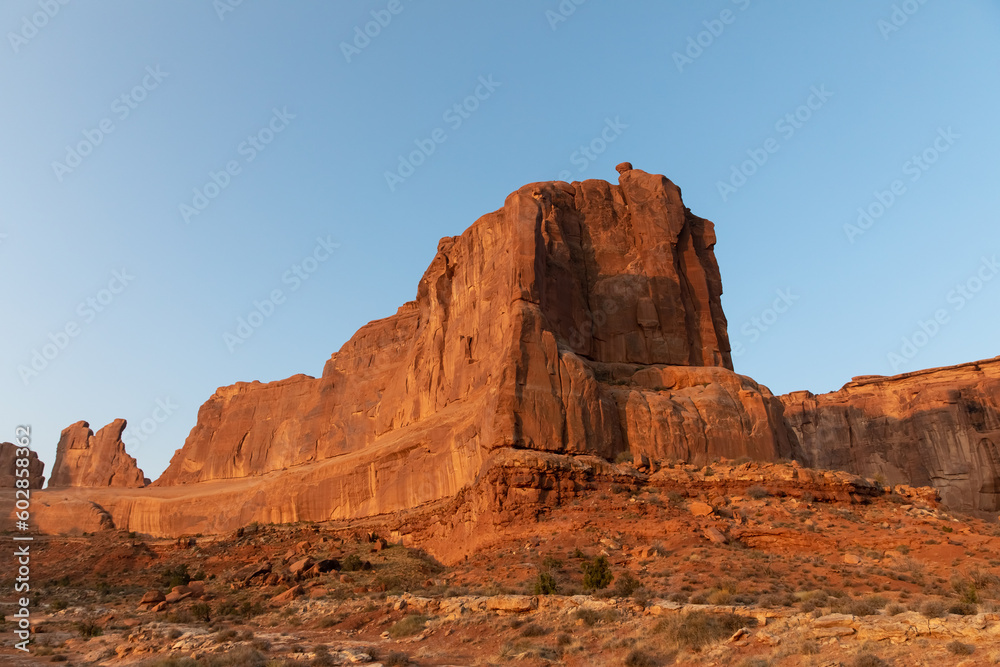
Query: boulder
(152, 597)
(512, 603)
(289, 595)
(300, 566)
(699, 508)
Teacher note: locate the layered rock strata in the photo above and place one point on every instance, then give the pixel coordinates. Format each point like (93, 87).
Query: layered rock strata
(938, 427)
(87, 460)
(580, 319)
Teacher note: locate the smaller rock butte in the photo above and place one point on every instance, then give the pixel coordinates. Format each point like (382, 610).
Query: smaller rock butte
(84, 459)
(8, 467)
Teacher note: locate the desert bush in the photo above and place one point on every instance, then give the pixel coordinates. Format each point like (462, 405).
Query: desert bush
(546, 584)
(534, 630)
(757, 492)
(175, 576)
(592, 617)
(675, 499)
(963, 609)
(596, 574)
(626, 585)
(958, 648)
(396, 659)
(624, 457)
(408, 626)
(322, 656)
(933, 609)
(860, 606)
(868, 660)
(696, 629)
(351, 563)
(201, 612)
(894, 609)
(639, 658)
(809, 647)
(241, 656)
(89, 629)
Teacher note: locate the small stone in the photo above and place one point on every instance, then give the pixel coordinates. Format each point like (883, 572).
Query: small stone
(623, 167)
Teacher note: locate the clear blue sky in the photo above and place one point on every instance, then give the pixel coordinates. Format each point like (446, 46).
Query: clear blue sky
(196, 86)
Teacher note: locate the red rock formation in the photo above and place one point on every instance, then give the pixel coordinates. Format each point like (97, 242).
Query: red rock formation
(515, 323)
(8, 457)
(938, 427)
(580, 319)
(88, 460)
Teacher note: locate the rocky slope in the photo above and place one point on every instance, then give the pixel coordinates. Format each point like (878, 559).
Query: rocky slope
(579, 319)
(84, 459)
(743, 564)
(938, 427)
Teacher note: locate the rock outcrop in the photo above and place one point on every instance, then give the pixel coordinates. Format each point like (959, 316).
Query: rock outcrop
(938, 427)
(8, 469)
(579, 320)
(84, 459)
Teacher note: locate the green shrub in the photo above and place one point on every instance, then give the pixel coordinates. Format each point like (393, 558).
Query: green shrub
(175, 576)
(408, 626)
(546, 584)
(89, 629)
(351, 563)
(626, 585)
(597, 574)
(201, 612)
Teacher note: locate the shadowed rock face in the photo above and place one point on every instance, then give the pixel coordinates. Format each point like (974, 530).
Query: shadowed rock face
(87, 460)
(938, 427)
(555, 323)
(8, 468)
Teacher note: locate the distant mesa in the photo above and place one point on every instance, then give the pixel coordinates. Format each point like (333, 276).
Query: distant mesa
(84, 459)
(938, 427)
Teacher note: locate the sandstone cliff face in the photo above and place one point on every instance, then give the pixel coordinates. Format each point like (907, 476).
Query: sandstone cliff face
(579, 320)
(938, 427)
(87, 460)
(518, 327)
(8, 456)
